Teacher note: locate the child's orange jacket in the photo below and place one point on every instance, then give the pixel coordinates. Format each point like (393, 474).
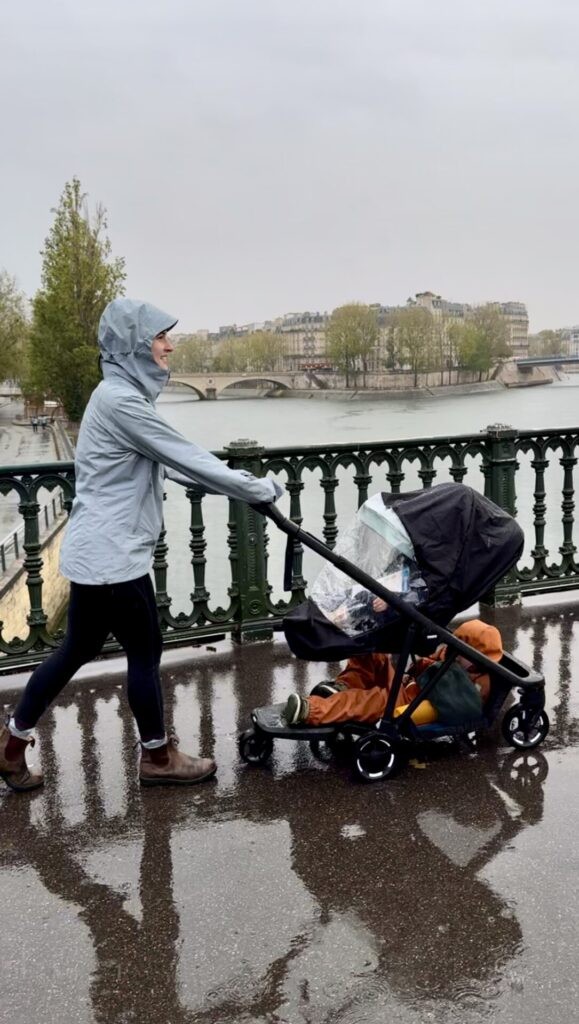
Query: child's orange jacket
(369, 679)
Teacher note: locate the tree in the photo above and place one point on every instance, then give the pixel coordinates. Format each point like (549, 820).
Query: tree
(231, 356)
(79, 278)
(414, 332)
(263, 350)
(493, 330)
(351, 335)
(548, 343)
(454, 335)
(14, 328)
(390, 346)
(482, 339)
(441, 345)
(192, 355)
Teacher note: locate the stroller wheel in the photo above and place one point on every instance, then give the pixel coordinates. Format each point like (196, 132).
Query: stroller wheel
(321, 750)
(525, 771)
(375, 757)
(255, 747)
(335, 746)
(525, 728)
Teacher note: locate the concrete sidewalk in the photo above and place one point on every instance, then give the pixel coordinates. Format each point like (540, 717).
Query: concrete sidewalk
(289, 893)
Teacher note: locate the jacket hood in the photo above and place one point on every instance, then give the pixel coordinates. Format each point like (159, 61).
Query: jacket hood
(481, 635)
(126, 332)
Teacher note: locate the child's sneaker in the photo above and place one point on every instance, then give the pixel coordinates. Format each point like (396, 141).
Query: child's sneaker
(328, 688)
(296, 710)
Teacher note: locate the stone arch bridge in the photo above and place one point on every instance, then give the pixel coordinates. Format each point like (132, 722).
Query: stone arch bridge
(212, 385)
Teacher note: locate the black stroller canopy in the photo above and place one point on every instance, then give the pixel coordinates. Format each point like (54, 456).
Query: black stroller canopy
(463, 544)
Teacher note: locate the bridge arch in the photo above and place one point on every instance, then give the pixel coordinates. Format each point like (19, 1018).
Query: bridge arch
(211, 385)
(257, 378)
(187, 386)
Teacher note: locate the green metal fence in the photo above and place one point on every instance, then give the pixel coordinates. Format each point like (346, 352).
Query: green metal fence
(545, 506)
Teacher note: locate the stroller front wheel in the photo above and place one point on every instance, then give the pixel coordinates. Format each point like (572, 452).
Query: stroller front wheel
(375, 758)
(336, 746)
(524, 728)
(255, 747)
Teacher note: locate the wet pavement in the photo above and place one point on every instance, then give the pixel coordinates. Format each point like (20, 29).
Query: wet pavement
(290, 893)
(19, 443)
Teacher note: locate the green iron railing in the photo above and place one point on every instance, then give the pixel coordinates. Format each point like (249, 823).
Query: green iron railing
(251, 614)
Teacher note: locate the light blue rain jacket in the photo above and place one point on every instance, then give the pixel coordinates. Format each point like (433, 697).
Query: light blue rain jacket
(124, 451)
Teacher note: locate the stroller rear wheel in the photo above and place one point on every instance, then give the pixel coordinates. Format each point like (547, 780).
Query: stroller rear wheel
(375, 758)
(525, 728)
(255, 747)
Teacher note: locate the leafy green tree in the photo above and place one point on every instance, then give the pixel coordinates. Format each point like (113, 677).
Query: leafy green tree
(192, 355)
(472, 350)
(441, 345)
(414, 332)
(548, 343)
(79, 278)
(493, 330)
(263, 350)
(231, 356)
(482, 340)
(454, 336)
(352, 334)
(390, 346)
(14, 328)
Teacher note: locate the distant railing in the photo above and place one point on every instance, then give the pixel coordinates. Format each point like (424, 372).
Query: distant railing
(528, 473)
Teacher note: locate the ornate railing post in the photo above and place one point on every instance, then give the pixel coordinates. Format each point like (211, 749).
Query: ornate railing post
(248, 552)
(499, 468)
(160, 566)
(33, 562)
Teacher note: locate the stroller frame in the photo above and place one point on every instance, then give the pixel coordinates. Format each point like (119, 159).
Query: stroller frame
(377, 751)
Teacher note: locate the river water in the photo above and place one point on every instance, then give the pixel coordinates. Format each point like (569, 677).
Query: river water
(305, 421)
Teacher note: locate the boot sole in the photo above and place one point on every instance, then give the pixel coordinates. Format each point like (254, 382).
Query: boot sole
(19, 789)
(177, 782)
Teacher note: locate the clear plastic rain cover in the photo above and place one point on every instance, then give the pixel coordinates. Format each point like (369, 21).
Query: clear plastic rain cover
(377, 542)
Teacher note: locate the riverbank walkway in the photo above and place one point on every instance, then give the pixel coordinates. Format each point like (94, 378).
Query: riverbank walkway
(289, 893)
(19, 445)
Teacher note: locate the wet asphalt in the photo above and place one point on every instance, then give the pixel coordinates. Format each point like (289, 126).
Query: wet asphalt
(291, 893)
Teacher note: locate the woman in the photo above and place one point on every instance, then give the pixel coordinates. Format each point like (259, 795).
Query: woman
(124, 451)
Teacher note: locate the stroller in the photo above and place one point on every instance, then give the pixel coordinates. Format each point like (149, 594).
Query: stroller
(427, 555)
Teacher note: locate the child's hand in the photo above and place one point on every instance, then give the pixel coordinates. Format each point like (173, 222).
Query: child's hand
(378, 605)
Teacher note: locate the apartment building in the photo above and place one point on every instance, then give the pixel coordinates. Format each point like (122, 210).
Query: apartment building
(304, 334)
(514, 313)
(304, 340)
(570, 340)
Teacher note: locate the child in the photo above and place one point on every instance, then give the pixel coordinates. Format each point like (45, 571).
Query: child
(360, 692)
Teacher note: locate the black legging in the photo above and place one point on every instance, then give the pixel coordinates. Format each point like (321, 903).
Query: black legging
(128, 611)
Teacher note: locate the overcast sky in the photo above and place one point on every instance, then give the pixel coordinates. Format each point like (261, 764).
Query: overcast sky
(258, 157)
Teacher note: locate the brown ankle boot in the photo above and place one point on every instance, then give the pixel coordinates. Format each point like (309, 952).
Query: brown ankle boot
(13, 767)
(167, 766)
